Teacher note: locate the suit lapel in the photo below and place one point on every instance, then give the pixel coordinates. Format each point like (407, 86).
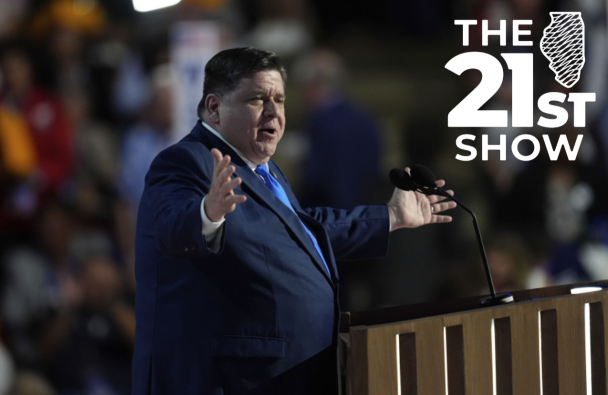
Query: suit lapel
(305, 218)
(255, 186)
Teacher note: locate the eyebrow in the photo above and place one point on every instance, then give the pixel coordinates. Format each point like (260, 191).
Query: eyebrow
(263, 93)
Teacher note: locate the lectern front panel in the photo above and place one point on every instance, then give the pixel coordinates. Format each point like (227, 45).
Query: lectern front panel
(547, 346)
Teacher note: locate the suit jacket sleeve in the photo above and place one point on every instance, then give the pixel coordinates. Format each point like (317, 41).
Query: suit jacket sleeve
(360, 233)
(177, 181)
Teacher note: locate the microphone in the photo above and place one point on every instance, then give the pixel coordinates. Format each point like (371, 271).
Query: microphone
(424, 176)
(400, 179)
(423, 181)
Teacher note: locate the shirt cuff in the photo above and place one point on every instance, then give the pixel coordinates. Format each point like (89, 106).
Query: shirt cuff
(210, 228)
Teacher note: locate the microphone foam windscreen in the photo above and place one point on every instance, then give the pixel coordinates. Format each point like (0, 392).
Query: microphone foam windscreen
(401, 180)
(423, 176)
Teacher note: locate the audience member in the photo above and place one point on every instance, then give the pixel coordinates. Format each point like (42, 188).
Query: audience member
(50, 130)
(38, 280)
(342, 166)
(88, 342)
(147, 138)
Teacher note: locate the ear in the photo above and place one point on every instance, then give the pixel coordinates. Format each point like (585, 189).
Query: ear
(212, 107)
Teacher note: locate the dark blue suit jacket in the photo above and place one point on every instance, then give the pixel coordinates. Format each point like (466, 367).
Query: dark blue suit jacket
(261, 315)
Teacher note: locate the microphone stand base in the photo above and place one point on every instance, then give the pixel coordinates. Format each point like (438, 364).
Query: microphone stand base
(500, 299)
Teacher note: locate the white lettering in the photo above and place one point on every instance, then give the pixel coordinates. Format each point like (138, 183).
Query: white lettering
(560, 114)
(465, 147)
(465, 29)
(502, 147)
(517, 32)
(563, 142)
(502, 32)
(515, 147)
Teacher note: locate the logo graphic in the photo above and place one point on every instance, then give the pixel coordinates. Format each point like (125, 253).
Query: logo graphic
(563, 43)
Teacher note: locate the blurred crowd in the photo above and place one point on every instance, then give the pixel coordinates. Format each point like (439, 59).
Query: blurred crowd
(87, 101)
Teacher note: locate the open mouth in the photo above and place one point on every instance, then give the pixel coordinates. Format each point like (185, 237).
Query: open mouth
(269, 131)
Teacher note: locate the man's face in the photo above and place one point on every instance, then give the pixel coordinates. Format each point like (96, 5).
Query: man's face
(252, 117)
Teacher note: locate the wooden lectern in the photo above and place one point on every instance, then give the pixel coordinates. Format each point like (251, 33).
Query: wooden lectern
(548, 342)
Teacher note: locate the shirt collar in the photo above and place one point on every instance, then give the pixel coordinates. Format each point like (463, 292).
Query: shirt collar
(249, 163)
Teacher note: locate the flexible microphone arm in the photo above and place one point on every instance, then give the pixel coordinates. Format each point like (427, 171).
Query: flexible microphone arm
(482, 249)
(422, 180)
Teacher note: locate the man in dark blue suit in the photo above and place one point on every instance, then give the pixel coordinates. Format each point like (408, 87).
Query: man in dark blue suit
(237, 284)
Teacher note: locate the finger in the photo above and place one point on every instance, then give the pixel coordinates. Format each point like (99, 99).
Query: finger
(434, 198)
(221, 165)
(439, 207)
(438, 198)
(217, 156)
(225, 174)
(447, 206)
(235, 199)
(228, 186)
(439, 219)
(440, 183)
(407, 170)
(224, 163)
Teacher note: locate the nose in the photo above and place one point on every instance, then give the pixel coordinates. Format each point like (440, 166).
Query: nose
(270, 108)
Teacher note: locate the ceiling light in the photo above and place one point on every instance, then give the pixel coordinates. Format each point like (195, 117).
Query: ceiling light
(151, 5)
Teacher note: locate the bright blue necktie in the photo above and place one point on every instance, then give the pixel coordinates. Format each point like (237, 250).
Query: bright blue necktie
(279, 192)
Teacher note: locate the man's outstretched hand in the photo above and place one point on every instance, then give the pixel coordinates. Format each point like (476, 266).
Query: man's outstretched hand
(221, 199)
(409, 209)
